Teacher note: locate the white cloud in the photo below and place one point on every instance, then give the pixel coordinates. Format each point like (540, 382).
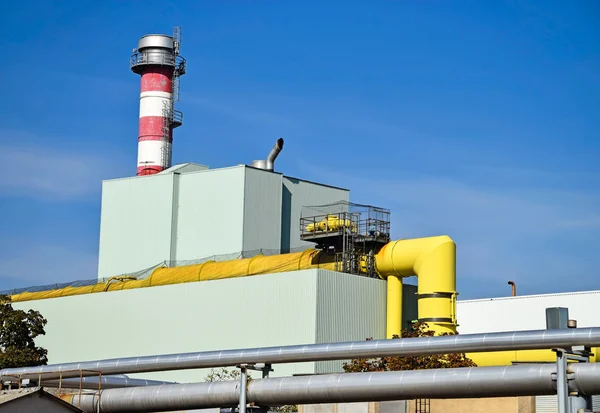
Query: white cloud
(37, 171)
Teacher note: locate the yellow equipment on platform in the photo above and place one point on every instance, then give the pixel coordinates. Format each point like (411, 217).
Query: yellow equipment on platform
(331, 223)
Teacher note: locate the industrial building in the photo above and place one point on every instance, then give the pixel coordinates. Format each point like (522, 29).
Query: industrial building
(193, 258)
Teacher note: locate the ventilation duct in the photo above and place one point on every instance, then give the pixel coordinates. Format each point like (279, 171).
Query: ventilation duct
(269, 163)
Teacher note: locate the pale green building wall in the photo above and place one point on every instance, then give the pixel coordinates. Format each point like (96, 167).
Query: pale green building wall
(300, 307)
(182, 218)
(349, 308)
(210, 213)
(135, 224)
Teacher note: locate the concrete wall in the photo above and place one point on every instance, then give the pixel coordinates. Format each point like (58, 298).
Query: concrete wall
(486, 405)
(296, 194)
(525, 312)
(256, 311)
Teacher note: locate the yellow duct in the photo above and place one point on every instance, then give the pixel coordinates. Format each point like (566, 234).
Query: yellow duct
(210, 270)
(433, 261)
(394, 306)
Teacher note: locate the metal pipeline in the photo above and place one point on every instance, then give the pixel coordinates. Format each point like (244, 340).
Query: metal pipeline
(521, 380)
(269, 163)
(433, 261)
(104, 382)
(464, 343)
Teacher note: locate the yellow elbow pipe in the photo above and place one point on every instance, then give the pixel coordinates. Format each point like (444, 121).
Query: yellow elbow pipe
(394, 307)
(433, 261)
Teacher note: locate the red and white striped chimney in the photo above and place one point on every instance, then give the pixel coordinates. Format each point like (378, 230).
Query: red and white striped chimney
(158, 62)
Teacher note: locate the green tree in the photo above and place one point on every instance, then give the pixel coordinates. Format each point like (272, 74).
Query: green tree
(223, 374)
(18, 331)
(435, 361)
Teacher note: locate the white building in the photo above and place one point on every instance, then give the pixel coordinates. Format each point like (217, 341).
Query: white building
(529, 313)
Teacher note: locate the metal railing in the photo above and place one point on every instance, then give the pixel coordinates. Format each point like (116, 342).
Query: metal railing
(158, 57)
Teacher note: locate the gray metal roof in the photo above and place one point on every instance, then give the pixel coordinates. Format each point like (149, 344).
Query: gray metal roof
(7, 396)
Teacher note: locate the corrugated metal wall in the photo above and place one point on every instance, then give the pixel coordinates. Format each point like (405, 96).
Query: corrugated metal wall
(296, 194)
(135, 224)
(549, 404)
(262, 210)
(349, 307)
(410, 304)
(546, 404)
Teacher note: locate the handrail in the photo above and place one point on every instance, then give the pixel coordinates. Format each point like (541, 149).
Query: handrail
(158, 57)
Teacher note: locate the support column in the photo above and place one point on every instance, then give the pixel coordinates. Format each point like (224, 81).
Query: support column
(243, 388)
(562, 385)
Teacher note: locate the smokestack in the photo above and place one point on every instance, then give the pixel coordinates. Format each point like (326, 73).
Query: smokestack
(514, 288)
(269, 163)
(158, 63)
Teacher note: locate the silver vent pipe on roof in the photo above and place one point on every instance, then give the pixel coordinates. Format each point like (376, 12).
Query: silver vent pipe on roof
(269, 163)
(519, 380)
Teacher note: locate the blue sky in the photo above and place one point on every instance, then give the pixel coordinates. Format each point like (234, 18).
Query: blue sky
(480, 120)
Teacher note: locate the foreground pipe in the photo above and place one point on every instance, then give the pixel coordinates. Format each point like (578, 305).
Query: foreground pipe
(104, 382)
(433, 261)
(522, 380)
(464, 343)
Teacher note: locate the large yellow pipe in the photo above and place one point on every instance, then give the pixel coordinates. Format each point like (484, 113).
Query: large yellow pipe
(433, 261)
(394, 306)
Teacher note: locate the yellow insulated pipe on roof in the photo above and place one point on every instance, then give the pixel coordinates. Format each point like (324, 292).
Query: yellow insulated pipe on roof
(209, 270)
(433, 261)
